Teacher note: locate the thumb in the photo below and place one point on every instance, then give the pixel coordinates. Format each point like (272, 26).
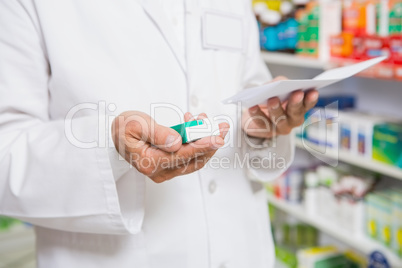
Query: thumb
(279, 78)
(144, 128)
(165, 138)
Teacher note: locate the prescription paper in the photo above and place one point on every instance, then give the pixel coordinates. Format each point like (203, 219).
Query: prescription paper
(258, 95)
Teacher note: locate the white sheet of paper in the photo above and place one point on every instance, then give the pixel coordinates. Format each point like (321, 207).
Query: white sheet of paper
(258, 95)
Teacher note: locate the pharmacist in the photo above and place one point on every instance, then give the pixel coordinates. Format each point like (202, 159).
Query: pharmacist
(67, 67)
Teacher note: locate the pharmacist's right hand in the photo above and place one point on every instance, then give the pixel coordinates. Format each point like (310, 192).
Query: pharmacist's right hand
(157, 151)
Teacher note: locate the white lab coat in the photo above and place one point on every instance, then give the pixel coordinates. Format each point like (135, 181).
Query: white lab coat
(89, 208)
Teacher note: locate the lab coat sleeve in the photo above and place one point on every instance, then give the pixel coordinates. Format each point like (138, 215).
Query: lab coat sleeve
(268, 158)
(45, 178)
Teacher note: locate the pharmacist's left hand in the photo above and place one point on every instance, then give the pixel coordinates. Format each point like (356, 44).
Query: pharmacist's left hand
(275, 118)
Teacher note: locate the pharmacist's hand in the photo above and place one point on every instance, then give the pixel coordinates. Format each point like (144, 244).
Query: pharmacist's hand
(157, 151)
(276, 118)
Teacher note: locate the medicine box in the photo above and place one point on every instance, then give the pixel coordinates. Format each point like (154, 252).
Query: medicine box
(197, 129)
(387, 143)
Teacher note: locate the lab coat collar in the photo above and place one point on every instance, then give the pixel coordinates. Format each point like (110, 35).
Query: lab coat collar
(154, 11)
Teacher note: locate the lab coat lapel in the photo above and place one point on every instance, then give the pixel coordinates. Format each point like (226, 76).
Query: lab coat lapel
(155, 13)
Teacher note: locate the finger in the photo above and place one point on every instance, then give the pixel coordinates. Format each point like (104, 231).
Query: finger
(165, 139)
(223, 129)
(183, 169)
(285, 104)
(151, 161)
(202, 145)
(188, 117)
(295, 108)
(278, 116)
(202, 116)
(310, 99)
(185, 153)
(258, 124)
(279, 78)
(194, 165)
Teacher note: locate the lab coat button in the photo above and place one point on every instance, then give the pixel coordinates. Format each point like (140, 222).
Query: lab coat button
(194, 101)
(212, 187)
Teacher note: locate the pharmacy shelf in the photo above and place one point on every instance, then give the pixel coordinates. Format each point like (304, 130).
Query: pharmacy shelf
(17, 247)
(279, 264)
(358, 242)
(355, 160)
(293, 60)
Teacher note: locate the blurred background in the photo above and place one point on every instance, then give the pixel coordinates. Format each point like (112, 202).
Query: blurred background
(340, 204)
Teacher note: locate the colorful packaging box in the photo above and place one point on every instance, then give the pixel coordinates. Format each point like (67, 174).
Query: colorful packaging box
(347, 132)
(395, 46)
(354, 17)
(365, 126)
(321, 128)
(302, 35)
(398, 72)
(341, 45)
(387, 143)
(397, 221)
(395, 18)
(385, 220)
(379, 215)
(313, 28)
(371, 215)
